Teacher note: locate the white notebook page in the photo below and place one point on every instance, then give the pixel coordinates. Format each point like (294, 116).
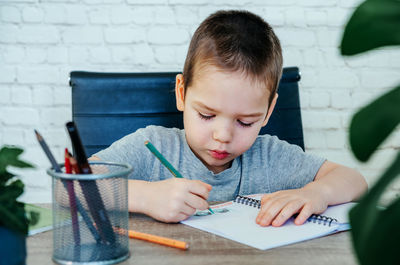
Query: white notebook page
(237, 222)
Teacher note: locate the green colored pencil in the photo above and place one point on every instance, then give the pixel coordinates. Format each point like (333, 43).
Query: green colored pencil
(166, 163)
(163, 160)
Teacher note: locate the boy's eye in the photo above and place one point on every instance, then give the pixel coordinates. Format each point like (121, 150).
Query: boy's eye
(244, 124)
(206, 117)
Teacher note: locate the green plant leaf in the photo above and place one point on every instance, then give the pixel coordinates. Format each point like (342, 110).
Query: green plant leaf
(9, 157)
(4, 177)
(33, 217)
(12, 191)
(373, 123)
(375, 230)
(13, 217)
(12, 212)
(375, 23)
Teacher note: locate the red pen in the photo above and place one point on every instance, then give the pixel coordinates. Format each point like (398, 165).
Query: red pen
(72, 198)
(67, 163)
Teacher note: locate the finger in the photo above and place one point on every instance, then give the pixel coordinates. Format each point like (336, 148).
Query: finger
(199, 182)
(274, 195)
(265, 198)
(208, 186)
(266, 201)
(187, 210)
(178, 212)
(270, 213)
(199, 188)
(287, 212)
(177, 218)
(304, 214)
(196, 202)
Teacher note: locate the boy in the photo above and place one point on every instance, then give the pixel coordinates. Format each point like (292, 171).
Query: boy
(227, 92)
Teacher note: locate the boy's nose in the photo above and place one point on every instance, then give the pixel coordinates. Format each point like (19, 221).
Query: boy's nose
(222, 133)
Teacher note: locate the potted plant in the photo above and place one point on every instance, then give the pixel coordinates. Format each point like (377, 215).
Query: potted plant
(375, 230)
(14, 220)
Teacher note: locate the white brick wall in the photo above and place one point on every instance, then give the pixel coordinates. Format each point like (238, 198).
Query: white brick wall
(41, 41)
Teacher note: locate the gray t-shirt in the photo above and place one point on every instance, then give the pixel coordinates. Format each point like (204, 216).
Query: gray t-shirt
(268, 166)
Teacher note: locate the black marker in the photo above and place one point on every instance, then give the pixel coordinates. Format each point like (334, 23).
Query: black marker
(57, 168)
(89, 188)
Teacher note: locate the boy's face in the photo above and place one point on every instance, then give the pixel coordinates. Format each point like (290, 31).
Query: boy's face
(223, 114)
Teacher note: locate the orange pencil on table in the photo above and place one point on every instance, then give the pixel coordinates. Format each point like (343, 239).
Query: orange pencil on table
(159, 240)
(153, 238)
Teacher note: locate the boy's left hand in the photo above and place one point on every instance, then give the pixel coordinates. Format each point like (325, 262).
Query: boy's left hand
(278, 207)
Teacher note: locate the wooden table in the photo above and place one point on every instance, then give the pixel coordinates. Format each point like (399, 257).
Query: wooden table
(206, 248)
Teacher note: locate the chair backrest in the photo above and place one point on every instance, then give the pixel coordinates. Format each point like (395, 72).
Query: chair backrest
(108, 106)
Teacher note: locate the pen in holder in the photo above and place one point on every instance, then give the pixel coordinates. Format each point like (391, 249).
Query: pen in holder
(103, 234)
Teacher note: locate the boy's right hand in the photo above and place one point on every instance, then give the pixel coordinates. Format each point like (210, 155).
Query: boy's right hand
(175, 199)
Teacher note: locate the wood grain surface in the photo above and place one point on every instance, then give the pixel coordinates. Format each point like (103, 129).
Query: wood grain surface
(206, 248)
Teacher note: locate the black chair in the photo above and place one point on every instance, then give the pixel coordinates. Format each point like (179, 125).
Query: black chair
(108, 106)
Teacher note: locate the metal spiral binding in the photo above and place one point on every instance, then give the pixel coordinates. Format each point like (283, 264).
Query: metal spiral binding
(315, 218)
(321, 219)
(248, 201)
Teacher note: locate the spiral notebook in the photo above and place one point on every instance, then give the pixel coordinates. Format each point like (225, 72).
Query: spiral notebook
(235, 220)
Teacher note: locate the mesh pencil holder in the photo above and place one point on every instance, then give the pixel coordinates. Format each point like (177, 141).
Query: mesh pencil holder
(90, 215)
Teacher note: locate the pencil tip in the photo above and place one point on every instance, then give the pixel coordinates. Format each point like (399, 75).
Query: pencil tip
(146, 142)
(38, 136)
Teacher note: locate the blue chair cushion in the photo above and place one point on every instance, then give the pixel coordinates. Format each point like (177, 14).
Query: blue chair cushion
(108, 106)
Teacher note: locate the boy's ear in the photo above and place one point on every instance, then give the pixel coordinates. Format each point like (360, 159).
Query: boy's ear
(180, 92)
(270, 109)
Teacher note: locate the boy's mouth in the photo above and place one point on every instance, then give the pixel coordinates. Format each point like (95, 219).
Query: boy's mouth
(219, 154)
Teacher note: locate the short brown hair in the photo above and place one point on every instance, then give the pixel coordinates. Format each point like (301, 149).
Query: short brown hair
(236, 41)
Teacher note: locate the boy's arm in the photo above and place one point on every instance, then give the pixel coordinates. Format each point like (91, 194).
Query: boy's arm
(340, 184)
(170, 200)
(333, 184)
